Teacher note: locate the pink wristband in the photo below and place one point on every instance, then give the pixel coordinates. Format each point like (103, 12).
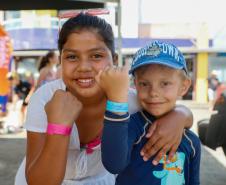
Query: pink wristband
(53, 128)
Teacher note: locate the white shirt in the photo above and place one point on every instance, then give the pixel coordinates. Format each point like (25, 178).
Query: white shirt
(82, 168)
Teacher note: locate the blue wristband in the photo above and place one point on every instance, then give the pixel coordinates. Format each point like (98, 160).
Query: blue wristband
(117, 107)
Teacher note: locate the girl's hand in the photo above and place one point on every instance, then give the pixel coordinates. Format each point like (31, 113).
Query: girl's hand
(115, 82)
(63, 108)
(165, 134)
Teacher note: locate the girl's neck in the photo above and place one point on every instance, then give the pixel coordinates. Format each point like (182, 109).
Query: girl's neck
(92, 102)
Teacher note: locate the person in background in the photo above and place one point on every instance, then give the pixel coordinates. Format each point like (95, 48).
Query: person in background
(213, 83)
(47, 68)
(161, 77)
(65, 117)
(22, 92)
(59, 72)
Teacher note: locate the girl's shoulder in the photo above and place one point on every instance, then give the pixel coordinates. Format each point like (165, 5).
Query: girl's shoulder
(36, 119)
(46, 91)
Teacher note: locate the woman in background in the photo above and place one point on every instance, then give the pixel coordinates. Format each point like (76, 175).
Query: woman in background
(47, 68)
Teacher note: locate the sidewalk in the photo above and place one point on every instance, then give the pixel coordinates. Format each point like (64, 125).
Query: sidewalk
(213, 163)
(10, 123)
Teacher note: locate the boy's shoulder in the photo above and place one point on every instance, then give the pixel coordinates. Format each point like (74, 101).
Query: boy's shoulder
(191, 135)
(140, 118)
(192, 140)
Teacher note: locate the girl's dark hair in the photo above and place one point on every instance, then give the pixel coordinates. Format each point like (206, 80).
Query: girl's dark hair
(45, 59)
(86, 21)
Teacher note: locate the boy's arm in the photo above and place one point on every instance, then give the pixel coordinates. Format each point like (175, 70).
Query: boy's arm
(115, 150)
(117, 142)
(194, 168)
(166, 133)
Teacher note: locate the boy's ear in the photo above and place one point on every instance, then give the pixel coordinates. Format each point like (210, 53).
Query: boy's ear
(135, 81)
(185, 86)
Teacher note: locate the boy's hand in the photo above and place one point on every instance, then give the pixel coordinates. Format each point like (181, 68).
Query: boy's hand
(63, 108)
(115, 82)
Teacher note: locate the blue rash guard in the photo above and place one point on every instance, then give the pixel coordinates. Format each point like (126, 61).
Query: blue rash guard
(124, 137)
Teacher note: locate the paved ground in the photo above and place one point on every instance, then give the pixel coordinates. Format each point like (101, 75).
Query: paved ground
(213, 163)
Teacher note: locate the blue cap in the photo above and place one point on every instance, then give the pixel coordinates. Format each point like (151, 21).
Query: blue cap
(159, 53)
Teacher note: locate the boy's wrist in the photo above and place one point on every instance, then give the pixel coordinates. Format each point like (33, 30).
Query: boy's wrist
(117, 107)
(116, 97)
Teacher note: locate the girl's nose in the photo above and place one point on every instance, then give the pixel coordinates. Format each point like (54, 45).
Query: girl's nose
(84, 65)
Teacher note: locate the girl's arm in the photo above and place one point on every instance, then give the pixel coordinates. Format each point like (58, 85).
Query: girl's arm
(46, 154)
(166, 133)
(46, 158)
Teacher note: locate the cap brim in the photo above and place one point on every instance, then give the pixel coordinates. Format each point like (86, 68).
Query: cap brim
(167, 63)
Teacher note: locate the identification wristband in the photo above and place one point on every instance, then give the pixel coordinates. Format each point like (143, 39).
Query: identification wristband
(116, 106)
(53, 128)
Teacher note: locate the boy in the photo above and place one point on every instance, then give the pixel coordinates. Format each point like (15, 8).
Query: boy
(160, 77)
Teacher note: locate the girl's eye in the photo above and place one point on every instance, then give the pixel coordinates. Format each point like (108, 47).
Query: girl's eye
(71, 57)
(97, 56)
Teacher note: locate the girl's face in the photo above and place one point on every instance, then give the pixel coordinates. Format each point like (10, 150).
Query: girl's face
(159, 87)
(82, 57)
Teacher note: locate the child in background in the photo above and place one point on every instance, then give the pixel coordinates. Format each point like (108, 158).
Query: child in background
(161, 77)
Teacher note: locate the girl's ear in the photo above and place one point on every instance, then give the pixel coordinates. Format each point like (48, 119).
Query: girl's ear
(185, 86)
(115, 60)
(59, 58)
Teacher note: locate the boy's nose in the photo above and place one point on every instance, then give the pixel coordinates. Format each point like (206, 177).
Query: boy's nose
(153, 92)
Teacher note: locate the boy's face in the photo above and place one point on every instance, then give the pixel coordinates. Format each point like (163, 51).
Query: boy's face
(158, 88)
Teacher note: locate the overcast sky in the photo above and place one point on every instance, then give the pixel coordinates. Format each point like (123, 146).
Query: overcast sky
(184, 10)
(212, 12)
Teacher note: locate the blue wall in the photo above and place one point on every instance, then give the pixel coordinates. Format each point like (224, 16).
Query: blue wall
(44, 39)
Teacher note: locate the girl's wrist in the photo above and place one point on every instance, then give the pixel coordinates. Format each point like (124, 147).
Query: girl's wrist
(58, 129)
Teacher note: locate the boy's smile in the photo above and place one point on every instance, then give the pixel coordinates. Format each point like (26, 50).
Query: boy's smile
(158, 88)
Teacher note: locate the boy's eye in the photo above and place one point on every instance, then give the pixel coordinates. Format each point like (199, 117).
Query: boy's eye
(143, 84)
(165, 83)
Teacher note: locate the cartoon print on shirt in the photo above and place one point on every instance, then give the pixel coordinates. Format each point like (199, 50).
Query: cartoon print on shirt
(172, 173)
